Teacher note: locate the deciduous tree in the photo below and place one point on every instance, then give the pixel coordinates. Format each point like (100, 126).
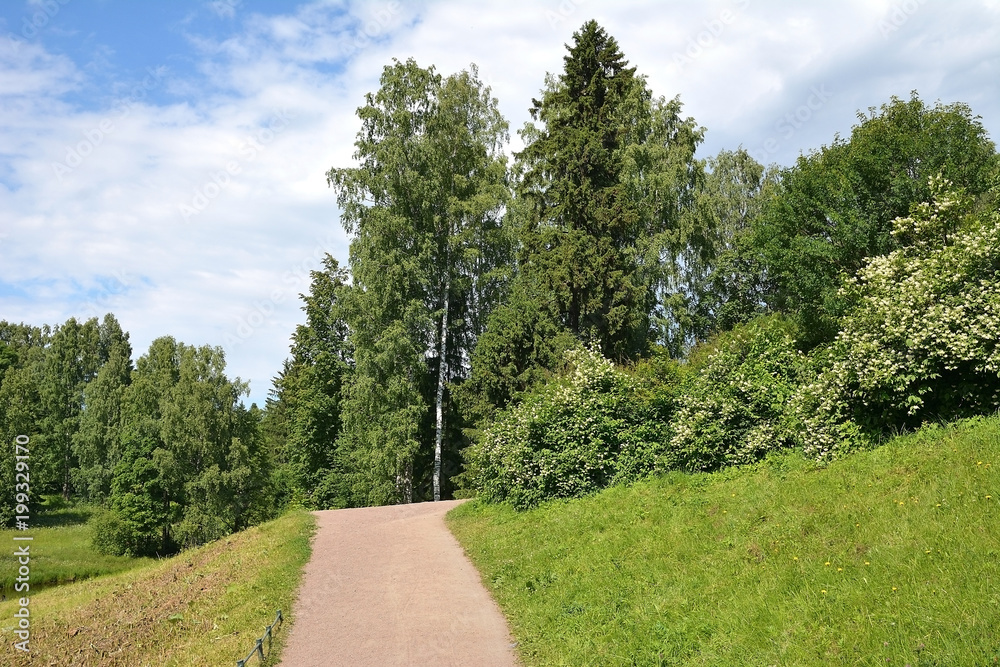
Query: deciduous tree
(836, 205)
(97, 442)
(424, 206)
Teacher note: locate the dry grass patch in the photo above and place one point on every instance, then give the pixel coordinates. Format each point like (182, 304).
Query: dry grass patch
(203, 607)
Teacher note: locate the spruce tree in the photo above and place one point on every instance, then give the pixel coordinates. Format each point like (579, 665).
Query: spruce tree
(606, 172)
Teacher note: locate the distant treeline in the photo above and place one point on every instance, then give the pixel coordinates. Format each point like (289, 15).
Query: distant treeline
(164, 444)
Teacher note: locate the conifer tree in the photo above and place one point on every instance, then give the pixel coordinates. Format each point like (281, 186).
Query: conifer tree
(309, 389)
(607, 172)
(605, 182)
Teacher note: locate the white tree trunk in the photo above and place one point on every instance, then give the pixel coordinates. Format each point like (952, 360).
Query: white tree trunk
(442, 376)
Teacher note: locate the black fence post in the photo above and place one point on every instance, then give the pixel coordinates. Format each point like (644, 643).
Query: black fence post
(258, 649)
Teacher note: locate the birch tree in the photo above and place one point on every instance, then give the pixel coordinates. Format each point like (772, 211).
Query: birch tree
(424, 207)
(97, 443)
(71, 361)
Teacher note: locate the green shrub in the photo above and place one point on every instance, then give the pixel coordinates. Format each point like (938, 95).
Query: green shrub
(921, 340)
(734, 408)
(117, 534)
(597, 426)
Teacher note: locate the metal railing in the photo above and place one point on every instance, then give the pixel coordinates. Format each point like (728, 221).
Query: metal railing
(258, 650)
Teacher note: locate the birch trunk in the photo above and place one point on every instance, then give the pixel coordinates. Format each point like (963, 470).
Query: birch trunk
(442, 374)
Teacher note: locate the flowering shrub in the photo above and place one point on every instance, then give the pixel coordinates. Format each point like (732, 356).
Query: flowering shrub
(569, 438)
(734, 408)
(921, 341)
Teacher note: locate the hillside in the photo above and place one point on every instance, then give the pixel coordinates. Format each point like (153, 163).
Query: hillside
(205, 606)
(888, 557)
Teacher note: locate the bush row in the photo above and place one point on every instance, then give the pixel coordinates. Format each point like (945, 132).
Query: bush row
(919, 344)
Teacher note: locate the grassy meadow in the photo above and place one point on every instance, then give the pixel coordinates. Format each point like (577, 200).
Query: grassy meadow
(888, 557)
(60, 549)
(205, 606)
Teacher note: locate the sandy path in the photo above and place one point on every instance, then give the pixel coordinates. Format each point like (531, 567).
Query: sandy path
(391, 586)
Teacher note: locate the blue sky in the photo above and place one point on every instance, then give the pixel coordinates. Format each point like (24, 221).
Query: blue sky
(165, 161)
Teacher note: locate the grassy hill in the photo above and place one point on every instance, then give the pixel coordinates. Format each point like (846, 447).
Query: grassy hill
(205, 606)
(889, 557)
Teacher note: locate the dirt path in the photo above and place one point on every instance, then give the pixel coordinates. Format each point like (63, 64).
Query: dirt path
(391, 586)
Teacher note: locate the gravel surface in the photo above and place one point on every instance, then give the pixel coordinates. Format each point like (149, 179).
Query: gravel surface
(391, 586)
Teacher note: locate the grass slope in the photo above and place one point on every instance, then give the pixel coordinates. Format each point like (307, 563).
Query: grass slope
(61, 551)
(205, 606)
(889, 557)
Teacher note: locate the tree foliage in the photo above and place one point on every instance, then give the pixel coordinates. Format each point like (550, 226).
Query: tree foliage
(425, 208)
(718, 280)
(309, 390)
(609, 308)
(21, 409)
(920, 340)
(592, 428)
(606, 173)
(523, 346)
(603, 185)
(192, 465)
(72, 359)
(836, 205)
(733, 411)
(97, 441)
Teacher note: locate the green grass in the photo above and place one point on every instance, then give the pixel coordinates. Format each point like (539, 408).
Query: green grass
(60, 548)
(205, 606)
(889, 557)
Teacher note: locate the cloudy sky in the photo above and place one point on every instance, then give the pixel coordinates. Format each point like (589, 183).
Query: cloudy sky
(166, 161)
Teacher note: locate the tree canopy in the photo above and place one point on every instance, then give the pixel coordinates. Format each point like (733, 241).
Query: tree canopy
(836, 205)
(425, 208)
(607, 169)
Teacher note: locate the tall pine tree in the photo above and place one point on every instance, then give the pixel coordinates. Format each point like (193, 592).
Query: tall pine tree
(607, 172)
(605, 182)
